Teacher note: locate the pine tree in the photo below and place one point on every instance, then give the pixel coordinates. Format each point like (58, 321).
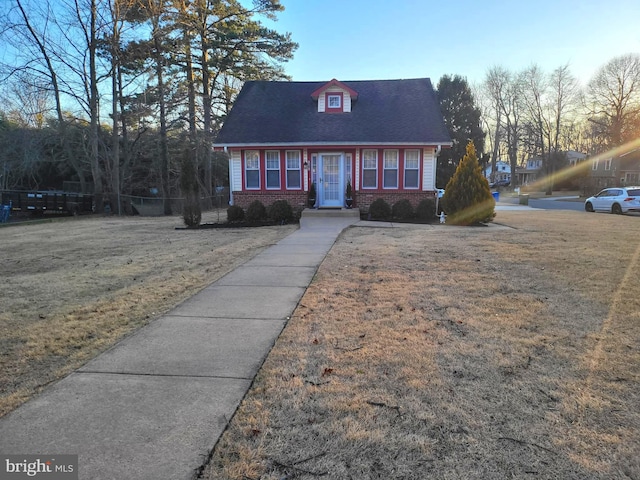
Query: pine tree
(462, 118)
(467, 199)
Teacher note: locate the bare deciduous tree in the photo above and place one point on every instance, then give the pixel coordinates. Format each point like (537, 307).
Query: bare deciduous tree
(612, 99)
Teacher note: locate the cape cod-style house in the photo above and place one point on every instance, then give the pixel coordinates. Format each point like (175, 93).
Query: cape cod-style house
(383, 136)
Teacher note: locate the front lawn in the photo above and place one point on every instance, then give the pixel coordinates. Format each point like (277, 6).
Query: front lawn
(511, 351)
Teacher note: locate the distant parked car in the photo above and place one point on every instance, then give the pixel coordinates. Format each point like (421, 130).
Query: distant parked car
(500, 183)
(615, 200)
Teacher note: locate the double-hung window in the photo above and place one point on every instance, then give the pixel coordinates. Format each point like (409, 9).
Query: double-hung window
(607, 164)
(252, 169)
(369, 169)
(334, 101)
(390, 177)
(273, 169)
(293, 169)
(411, 168)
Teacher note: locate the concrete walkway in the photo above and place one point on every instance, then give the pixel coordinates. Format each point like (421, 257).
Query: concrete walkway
(154, 405)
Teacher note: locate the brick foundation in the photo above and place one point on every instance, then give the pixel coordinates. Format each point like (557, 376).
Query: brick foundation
(297, 199)
(362, 199)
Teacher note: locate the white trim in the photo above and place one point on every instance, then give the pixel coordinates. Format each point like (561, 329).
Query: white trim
(235, 171)
(313, 166)
(428, 170)
(356, 184)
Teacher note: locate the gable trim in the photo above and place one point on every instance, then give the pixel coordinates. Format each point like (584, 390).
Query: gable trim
(334, 83)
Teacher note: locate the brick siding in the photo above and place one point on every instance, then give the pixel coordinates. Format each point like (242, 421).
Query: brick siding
(297, 199)
(364, 199)
(361, 199)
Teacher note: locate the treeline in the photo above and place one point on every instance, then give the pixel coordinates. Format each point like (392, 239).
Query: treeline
(111, 93)
(518, 115)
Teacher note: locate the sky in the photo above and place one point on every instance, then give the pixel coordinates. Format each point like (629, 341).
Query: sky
(383, 39)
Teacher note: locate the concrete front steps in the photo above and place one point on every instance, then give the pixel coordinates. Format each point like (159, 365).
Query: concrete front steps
(331, 212)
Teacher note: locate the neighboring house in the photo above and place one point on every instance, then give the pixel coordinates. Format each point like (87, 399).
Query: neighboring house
(381, 135)
(573, 157)
(533, 169)
(530, 172)
(503, 172)
(616, 171)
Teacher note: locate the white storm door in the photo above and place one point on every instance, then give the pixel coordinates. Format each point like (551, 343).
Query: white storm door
(331, 180)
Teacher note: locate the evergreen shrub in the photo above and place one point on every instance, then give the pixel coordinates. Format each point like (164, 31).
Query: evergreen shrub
(379, 209)
(235, 213)
(280, 211)
(402, 210)
(467, 198)
(256, 212)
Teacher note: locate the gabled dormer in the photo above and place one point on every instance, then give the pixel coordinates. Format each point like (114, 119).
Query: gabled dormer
(334, 97)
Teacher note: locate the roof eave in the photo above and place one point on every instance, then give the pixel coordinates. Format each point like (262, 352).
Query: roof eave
(320, 144)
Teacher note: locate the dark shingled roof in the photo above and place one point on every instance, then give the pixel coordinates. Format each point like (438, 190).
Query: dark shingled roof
(386, 111)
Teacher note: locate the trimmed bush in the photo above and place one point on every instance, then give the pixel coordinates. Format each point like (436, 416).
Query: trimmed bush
(256, 212)
(426, 210)
(280, 211)
(402, 210)
(467, 198)
(235, 213)
(379, 209)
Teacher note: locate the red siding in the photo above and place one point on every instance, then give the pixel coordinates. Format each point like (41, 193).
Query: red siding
(401, 162)
(263, 170)
(362, 197)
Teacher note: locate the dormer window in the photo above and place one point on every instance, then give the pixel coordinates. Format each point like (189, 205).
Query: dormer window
(334, 97)
(334, 101)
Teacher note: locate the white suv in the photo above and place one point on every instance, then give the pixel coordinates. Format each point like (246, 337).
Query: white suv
(615, 200)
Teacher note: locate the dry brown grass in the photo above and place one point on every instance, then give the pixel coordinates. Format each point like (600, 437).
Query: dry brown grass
(72, 288)
(511, 351)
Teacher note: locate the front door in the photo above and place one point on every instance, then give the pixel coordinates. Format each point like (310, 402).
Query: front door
(331, 180)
